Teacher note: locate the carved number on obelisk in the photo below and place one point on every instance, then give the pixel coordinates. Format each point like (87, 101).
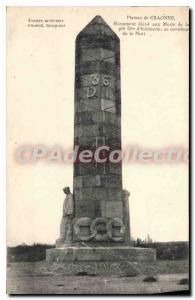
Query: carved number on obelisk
(91, 90)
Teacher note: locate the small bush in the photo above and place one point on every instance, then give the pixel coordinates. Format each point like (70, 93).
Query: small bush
(85, 274)
(166, 250)
(150, 279)
(82, 274)
(184, 281)
(23, 253)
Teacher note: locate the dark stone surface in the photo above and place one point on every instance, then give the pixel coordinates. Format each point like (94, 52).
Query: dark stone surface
(95, 254)
(97, 118)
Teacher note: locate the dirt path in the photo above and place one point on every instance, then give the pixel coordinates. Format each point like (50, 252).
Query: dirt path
(37, 278)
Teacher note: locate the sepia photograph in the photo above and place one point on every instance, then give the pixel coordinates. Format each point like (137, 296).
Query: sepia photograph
(97, 150)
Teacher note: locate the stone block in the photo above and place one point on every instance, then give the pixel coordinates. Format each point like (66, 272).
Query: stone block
(87, 181)
(112, 209)
(108, 105)
(88, 105)
(97, 193)
(111, 180)
(78, 182)
(98, 117)
(91, 180)
(112, 130)
(87, 130)
(96, 52)
(112, 118)
(113, 141)
(114, 168)
(85, 141)
(116, 269)
(88, 208)
(108, 93)
(82, 194)
(89, 169)
(94, 117)
(100, 254)
(84, 118)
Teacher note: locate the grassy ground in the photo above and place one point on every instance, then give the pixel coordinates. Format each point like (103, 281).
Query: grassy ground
(40, 278)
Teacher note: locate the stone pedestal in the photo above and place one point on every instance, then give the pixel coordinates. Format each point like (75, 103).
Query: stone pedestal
(101, 261)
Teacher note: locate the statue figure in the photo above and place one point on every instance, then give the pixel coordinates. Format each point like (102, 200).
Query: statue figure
(125, 197)
(66, 230)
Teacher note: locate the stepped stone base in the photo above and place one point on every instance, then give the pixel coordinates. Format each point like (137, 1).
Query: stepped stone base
(114, 261)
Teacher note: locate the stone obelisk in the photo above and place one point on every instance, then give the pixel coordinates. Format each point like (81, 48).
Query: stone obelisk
(100, 226)
(98, 184)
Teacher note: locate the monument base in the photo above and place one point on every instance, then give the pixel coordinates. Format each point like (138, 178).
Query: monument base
(102, 261)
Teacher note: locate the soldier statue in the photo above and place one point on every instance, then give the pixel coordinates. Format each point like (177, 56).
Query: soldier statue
(67, 218)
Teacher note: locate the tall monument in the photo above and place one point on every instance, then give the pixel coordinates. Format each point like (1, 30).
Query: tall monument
(98, 184)
(100, 227)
